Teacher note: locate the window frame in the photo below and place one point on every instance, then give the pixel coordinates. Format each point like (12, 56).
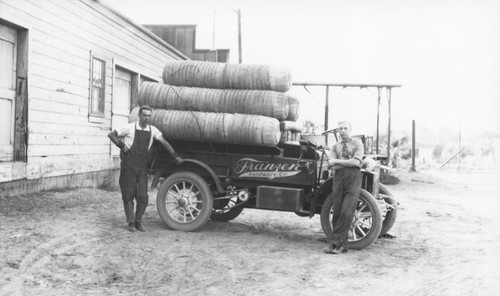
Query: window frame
(101, 108)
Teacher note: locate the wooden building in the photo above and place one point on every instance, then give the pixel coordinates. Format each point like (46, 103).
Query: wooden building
(183, 38)
(69, 73)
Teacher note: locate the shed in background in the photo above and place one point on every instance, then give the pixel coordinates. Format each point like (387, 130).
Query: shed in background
(183, 38)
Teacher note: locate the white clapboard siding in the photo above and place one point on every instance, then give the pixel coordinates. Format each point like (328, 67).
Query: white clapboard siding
(40, 61)
(63, 119)
(36, 92)
(55, 85)
(79, 66)
(149, 49)
(72, 80)
(79, 62)
(67, 165)
(52, 19)
(52, 150)
(62, 139)
(60, 86)
(68, 129)
(81, 78)
(111, 39)
(58, 107)
(47, 45)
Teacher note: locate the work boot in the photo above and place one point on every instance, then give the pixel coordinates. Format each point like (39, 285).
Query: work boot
(138, 226)
(339, 250)
(139, 212)
(131, 227)
(129, 214)
(328, 249)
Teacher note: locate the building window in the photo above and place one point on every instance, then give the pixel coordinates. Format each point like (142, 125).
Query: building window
(97, 88)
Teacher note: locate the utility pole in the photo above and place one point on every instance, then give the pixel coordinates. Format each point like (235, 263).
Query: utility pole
(240, 57)
(213, 32)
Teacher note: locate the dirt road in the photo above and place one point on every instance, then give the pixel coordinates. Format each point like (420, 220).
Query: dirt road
(75, 243)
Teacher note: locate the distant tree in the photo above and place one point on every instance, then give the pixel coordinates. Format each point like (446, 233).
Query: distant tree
(401, 151)
(437, 152)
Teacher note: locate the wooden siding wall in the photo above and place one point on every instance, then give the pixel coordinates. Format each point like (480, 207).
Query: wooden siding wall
(63, 34)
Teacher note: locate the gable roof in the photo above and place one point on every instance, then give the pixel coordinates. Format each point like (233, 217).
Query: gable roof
(143, 29)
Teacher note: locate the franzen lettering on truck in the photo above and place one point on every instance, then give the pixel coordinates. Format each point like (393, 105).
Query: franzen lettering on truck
(265, 169)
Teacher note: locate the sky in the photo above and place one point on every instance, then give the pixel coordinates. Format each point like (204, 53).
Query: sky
(444, 53)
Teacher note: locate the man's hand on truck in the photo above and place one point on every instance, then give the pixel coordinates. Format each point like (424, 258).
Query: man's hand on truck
(178, 160)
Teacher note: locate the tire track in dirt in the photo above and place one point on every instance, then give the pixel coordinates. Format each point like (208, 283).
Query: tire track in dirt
(36, 261)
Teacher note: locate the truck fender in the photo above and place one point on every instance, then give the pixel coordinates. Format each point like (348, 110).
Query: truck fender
(171, 167)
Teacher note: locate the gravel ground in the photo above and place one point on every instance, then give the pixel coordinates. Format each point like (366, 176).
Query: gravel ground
(75, 243)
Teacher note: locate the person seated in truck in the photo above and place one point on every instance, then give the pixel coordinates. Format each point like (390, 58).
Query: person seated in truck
(137, 141)
(346, 163)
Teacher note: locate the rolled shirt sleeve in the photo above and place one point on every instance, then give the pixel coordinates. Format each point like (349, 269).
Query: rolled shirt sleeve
(155, 132)
(126, 133)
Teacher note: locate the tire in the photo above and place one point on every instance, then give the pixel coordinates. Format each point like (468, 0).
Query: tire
(366, 224)
(392, 213)
(218, 215)
(184, 201)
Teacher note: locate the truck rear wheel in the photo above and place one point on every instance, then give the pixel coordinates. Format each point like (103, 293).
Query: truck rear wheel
(366, 222)
(392, 212)
(184, 201)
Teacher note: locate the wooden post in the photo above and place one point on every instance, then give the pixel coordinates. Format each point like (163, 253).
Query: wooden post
(457, 153)
(21, 99)
(412, 168)
(326, 113)
(389, 127)
(378, 120)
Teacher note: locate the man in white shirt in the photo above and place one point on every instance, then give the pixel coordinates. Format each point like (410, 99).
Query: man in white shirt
(137, 140)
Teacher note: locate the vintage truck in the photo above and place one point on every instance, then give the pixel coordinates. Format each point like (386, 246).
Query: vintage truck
(218, 181)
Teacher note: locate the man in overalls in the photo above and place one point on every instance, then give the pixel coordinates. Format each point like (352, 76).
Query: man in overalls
(137, 140)
(346, 163)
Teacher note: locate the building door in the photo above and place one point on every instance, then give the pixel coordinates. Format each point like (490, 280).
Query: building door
(8, 54)
(122, 98)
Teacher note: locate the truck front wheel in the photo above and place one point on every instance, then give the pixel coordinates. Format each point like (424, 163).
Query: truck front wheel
(184, 201)
(366, 222)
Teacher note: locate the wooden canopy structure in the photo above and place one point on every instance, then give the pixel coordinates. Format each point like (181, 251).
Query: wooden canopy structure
(379, 87)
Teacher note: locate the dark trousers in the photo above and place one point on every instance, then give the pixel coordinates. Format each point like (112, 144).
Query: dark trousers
(346, 190)
(134, 184)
